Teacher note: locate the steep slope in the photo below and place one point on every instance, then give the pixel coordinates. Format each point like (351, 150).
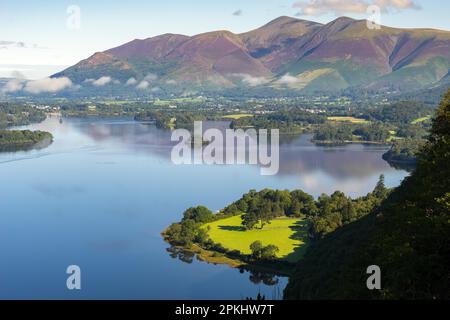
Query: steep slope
(347, 51)
(215, 57)
(268, 42)
(98, 65)
(135, 59)
(408, 238)
(155, 48)
(285, 54)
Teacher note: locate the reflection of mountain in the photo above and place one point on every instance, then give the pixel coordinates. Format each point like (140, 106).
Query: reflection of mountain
(338, 163)
(298, 157)
(138, 137)
(128, 133)
(353, 169)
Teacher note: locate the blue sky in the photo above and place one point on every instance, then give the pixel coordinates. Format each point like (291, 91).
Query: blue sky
(36, 33)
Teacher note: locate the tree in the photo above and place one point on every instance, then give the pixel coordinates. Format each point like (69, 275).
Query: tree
(188, 232)
(198, 214)
(249, 221)
(302, 204)
(259, 252)
(269, 252)
(256, 249)
(201, 236)
(380, 190)
(408, 236)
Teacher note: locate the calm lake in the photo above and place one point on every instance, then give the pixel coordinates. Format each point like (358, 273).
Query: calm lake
(101, 194)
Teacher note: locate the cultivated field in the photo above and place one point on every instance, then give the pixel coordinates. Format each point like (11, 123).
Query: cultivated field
(238, 116)
(347, 119)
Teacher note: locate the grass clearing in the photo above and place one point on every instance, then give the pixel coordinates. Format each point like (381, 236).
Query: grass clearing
(420, 120)
(238, 116)
(288, 234)
(348, 119)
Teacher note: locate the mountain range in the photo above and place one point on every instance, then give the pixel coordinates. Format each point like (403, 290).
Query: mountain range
(285, 54)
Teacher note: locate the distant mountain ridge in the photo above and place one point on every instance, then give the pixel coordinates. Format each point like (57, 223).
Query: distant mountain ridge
(285, 54)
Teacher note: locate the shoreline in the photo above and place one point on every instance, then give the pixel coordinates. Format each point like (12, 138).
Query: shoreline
(277, 267)
(24, 140)
(341, 143)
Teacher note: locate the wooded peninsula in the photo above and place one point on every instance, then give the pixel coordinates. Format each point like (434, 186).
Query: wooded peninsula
(21, 140)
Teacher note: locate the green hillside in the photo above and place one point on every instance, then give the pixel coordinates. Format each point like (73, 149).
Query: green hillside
(408, 238)
(288, 234)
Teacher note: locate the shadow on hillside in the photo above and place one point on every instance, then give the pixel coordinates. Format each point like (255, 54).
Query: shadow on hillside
(232, 228)
(300, 229)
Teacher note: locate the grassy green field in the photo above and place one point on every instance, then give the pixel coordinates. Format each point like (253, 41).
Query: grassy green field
(393, 138)
(348, 119)
(289, 235)
(238, 116)
(423, 119)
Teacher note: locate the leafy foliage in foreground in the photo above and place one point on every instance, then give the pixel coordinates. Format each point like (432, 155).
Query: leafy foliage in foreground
(408, 237)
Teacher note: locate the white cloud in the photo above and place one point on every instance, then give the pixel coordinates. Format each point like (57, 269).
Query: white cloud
(17, 75)
(30, 72)
(171, 82)
(143, 85)
(151, 77)
(54, 58)
(15, 44)
(101, 81)
(251, 80)
(116, 81)
(287, 79)
(13, 85)
(338, 7)
(131, 82)
(48, 85)
(387, 5)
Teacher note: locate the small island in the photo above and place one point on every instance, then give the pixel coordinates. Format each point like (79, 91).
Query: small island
(12, 115)
(269, 230)
(24, 140)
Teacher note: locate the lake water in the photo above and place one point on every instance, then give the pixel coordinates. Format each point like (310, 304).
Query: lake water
(101, 194)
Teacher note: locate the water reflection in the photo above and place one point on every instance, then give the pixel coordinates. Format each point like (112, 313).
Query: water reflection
(181, 254)
(257, 277)
(298, 156)
(101, 194)
(353, 169)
